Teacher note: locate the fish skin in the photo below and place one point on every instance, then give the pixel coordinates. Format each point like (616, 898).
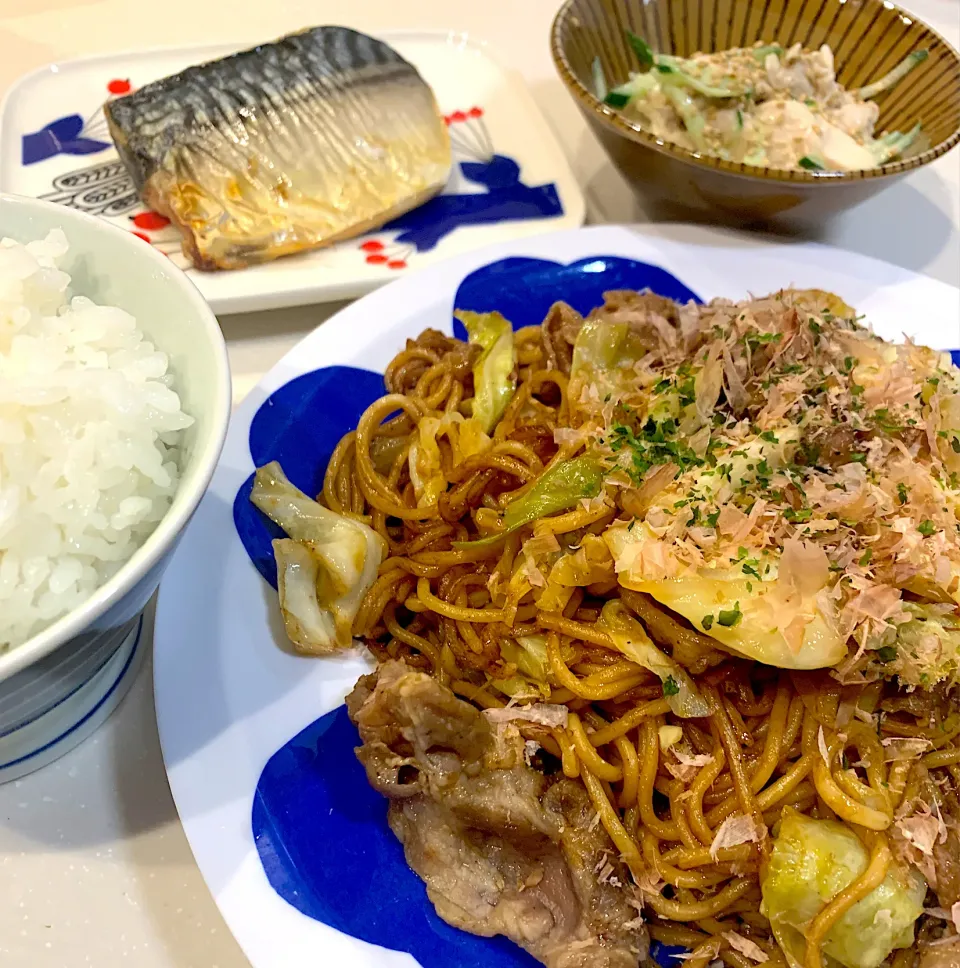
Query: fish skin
(318, 137)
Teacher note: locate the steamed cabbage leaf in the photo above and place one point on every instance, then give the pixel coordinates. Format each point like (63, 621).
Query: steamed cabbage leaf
(529, 654)
(466, 438)
(309, 626)
(632, 640)
(811, 862)
(743, 615)
(325, 566)
(604, 356)
(924, 650)
(558, 488)
(608, 368)
(494, 375)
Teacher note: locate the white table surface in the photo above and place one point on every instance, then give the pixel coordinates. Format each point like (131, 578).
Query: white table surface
(94, 866)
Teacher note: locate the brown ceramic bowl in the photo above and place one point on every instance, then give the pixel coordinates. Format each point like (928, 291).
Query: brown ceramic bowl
(868, 38)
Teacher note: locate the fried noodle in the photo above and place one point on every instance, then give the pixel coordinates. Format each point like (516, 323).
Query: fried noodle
(667, 789)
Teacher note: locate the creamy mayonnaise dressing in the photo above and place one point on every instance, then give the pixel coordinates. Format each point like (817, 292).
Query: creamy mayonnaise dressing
(763, 106)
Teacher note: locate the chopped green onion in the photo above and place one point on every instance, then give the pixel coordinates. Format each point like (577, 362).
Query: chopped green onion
(623, 94)
(893, 77)
(886, 653)
(811, 164)
(682, 78)
(893, 144)
(641, 49)
(617, 99)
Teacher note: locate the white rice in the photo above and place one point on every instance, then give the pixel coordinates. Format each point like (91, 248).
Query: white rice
(89, 430)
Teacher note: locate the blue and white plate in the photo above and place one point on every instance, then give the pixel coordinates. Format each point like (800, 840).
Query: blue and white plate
(258, 748)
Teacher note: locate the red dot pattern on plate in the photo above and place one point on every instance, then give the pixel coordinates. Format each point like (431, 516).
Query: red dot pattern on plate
(119, 86)
(459, 116)
(396, 264)
(140, 235)
(372, 246)
(150, 221)
(376, 259)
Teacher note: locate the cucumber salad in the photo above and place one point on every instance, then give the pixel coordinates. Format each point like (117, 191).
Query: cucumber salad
(764, 105)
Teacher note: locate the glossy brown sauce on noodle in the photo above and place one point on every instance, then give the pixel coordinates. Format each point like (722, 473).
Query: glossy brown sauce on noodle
(761, 749)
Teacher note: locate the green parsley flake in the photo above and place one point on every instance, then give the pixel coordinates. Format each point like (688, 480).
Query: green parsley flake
(729, 617)
(653, 445)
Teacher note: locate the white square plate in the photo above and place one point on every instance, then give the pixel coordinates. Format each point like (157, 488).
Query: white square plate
(54, 144)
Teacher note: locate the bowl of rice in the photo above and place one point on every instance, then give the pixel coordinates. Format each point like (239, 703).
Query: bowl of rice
(114, 403)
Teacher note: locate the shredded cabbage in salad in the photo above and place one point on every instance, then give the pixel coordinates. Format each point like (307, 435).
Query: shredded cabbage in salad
(762, 105)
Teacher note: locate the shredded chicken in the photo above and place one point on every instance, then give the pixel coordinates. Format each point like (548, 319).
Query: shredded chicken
(502, 849)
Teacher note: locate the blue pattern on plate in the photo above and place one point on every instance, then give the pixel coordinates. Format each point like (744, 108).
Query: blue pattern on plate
(668, 955)
(323, 839)
(523, 290)
(319, 828)
(506, 199)
(60, 137)
(299, 425)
